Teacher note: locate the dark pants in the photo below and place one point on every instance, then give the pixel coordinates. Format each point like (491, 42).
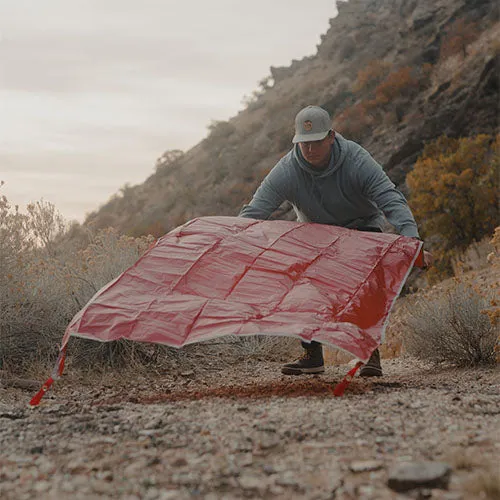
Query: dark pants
(313, 344)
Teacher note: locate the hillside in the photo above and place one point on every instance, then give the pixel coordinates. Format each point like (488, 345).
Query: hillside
(394, 74)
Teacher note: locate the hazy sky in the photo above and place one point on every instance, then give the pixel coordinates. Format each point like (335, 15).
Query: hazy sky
(93, 91)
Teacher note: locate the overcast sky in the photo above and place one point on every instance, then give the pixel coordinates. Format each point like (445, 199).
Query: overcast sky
(93, 91)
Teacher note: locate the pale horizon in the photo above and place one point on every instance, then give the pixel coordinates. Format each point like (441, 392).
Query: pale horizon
(94, 92)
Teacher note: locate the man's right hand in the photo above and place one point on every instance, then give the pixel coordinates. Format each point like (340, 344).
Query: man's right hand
(428, 259)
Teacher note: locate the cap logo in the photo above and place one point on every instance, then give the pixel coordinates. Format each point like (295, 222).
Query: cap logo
(308, 125)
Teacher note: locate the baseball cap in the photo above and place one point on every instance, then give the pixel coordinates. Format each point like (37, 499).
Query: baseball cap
(311, 124)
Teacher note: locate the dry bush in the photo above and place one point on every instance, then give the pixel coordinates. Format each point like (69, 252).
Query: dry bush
(369, 77)
(457, 38)
(473, 258)
(446, 71)
(451, 326)
(454, 194)
(383, 92)
(464, 459)
(355, 121)
(77, 277)
(335, 357)
(44, 281)
(46, 224)
(484, 484)
(400, 83)
(259, 347)
(168, 159)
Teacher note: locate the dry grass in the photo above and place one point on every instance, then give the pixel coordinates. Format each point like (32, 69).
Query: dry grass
(451, 327)
(474, 258)
(261, 347)
(464, 459)
(485, 484)
(445, 322)
(44, 281)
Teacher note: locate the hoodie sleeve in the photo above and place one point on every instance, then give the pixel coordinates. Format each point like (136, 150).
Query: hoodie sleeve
(268, 197)
(377, 187)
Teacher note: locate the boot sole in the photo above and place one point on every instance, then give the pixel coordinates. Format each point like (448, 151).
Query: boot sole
(370, 371)
(302, 371)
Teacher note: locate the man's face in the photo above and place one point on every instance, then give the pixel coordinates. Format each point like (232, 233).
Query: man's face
(317, 153)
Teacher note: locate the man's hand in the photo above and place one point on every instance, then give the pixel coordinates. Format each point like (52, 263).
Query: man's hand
(428, 259)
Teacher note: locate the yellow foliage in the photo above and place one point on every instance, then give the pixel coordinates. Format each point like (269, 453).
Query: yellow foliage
(454, 193)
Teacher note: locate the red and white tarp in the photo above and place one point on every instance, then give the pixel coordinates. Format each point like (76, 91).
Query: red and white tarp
(217, 276)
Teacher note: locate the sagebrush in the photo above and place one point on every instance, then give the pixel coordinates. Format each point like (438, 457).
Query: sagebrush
(452, 326)
(45, 279)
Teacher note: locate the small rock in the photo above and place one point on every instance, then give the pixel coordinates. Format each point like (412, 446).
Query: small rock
(148, 432)
(179, 462)
(409, 476)
(268, 441)
(424, 493)
(152, 494)
(77, 467)
(269, 469)
(452, 495)
(106, 475)
(186, 478)
(365, 465)
(102, 487)
(13, 415)
(244, 459)
(276, 490)
(287, 479)
(153, 461)
(41, 486)
(366, 491)
(155, 423)
(248, 482)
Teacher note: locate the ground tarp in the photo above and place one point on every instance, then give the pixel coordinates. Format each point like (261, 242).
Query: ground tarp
(217, 276)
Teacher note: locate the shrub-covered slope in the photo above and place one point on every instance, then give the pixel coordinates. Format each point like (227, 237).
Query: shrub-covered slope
(394, 74)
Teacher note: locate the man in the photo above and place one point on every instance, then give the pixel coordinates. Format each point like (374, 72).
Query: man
(331, 180)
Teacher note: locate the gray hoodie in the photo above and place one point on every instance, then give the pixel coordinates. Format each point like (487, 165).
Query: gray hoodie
(353, 191)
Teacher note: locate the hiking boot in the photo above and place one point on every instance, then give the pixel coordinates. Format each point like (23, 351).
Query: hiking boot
(372, 367)
(310, 362)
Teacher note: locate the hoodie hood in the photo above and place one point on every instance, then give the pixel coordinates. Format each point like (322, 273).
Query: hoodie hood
(339, 152)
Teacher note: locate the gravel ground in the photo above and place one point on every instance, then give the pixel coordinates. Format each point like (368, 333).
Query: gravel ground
(246, 431)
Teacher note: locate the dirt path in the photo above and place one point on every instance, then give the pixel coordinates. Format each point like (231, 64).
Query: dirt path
(246, 431)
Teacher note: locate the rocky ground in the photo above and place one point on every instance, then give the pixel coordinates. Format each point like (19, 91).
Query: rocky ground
(246, 431)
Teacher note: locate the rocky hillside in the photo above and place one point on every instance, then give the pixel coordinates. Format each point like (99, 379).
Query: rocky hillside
(394, 74)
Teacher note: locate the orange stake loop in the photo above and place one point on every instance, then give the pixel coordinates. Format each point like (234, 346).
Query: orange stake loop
(56, 373)
(340, 388)
(35, 400)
